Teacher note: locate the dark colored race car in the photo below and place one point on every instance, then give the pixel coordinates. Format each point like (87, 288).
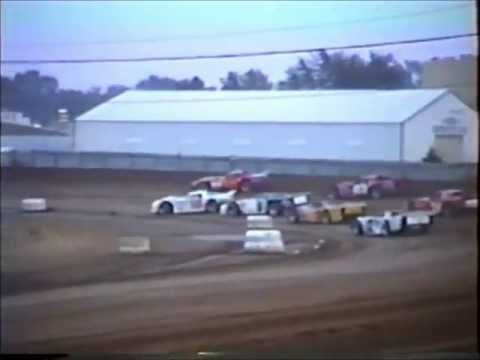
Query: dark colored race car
(374, 186)
(240, 180)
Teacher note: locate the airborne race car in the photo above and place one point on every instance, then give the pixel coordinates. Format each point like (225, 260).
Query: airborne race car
(194, 202)
(235, 180)
(392, 222)
(373, 186)
(300, 209)
(265, 203)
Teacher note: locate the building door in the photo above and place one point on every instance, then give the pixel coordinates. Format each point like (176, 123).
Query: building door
(449, 147)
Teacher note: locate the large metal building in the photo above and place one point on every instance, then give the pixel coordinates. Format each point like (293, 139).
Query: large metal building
(390, 125)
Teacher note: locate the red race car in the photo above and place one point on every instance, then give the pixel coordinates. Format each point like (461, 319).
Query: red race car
(448, 202)
(235, 180)
(374, 186)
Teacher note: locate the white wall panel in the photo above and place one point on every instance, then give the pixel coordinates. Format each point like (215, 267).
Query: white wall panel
(309, 141)
(419, 134)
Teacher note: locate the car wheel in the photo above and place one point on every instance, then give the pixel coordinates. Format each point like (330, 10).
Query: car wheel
(292, 217)
(325, 218)
(245, 186)
(403, 225)
(274, 210)
(410, 205)
(357, 228)
(233, 209)
(165, 208)
(448, 211)
(386, 228)
(424, 228)
(211, 206)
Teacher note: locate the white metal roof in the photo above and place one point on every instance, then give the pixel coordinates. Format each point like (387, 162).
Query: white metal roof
(322, 106)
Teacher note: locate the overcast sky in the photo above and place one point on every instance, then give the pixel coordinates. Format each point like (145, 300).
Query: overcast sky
(97, 29)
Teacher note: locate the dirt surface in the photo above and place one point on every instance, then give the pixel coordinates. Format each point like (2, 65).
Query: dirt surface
(66, 288)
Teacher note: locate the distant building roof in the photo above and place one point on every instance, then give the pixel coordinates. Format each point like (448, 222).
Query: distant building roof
(322, 106)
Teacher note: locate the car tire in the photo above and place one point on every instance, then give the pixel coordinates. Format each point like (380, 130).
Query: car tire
(448, 211)
(292, 217)
(233, 209)
(386, 227)
(325, 218)
(245, 186)
(211, 207)
(165, 209)
(410, 205)
(357, 228)
(274, 210)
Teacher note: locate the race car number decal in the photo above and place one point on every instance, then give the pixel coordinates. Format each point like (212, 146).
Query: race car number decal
(360, 189)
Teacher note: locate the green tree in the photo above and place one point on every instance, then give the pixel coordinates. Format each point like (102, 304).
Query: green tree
(253, 79)
(341, 71)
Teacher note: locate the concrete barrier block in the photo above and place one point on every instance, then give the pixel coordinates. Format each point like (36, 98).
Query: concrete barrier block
(134, 244)
(259, 222)
(264, 241)
(34, 205)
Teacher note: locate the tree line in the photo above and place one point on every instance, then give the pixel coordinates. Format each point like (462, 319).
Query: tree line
(39, 96)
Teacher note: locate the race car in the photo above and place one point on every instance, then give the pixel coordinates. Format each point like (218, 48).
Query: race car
(300, 209)
(193, 202)
(239, 180)
(392, 222)
(264, 203)
(374, 186)
(447, 202)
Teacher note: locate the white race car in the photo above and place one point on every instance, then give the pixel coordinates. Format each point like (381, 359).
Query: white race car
(392, 222)
(193, 202)
(264, 203)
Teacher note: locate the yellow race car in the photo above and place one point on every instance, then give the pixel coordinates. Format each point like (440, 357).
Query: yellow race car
(300, 209)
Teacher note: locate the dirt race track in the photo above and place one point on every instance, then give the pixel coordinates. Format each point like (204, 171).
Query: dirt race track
(66, 288)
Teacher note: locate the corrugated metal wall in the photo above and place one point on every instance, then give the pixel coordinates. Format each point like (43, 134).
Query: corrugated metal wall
(288, 141)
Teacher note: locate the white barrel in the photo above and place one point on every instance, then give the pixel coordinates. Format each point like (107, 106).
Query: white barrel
(259, 222)
(34, 204)
(134, 244)
(264, 241)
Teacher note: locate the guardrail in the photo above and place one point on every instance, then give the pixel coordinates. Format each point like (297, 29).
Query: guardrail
(127, 161)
